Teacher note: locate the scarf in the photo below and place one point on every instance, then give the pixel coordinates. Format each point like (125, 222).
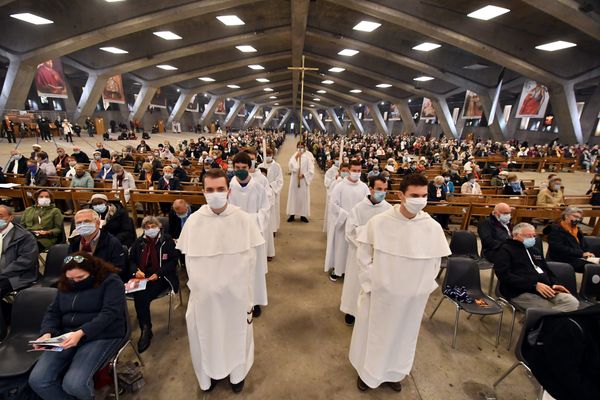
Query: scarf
(149, 257)
(573, 230)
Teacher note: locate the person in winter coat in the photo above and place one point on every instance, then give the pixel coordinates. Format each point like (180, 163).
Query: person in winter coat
(44, 220)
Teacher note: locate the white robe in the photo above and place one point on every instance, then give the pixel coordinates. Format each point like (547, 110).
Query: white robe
(344, 196)
(275, 178)
(359, 216)
(330, 176)
(267, 233)
(220, 253)
(254, 200)
(398, 259)
(299, 197)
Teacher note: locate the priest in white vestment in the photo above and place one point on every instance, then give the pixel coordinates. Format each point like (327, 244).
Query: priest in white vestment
(302, 168)
(330, 176)
(221, 269)
(359, 215)
(275, 178)
(399, 255)
(344, 196)
(264, 182)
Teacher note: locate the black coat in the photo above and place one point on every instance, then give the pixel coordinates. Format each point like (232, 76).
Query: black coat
(515, 273)
(168, 256)
(120, 225)
(108, 248)
(21, 169)
(432, 193)
(172, 185)
(563, 247)
(508, 190)
(81, 158)
(492, 235)
(175, 222)
(155, 175)
(41, 179)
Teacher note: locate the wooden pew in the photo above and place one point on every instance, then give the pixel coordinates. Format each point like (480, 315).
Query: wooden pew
(450, 209)
(83, 196)
(161, 196)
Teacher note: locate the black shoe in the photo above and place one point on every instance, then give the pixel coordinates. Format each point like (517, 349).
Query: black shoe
(213, 384)
(333, 277)
(361, 385)
(304, 219)
(396, 386)
(290, 219)
(145, 339)
(238, 387)
(256, 311)
(349, 319)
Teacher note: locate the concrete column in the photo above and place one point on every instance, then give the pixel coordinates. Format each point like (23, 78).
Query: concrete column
(497, 126)
(354, 118)
(589, 116)
(564, 107)
(233, 113)
(378, 118)
(209, 109)
(284, 119)
(251, 116)
(270, 116)
(336, 121)
(408, 123)
(16, 85)
(70, 104)
(513, 122)
(182, 102)
(94, 86)
(318, 119)
(142, 102)
(303, 122)
(444, 117)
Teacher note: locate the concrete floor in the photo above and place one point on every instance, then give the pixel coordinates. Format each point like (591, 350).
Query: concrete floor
(301, 340)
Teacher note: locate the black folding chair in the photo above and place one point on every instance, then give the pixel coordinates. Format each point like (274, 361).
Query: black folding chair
(462, 271)
(54, 262)
(464, 244)
(513, 308)
(592, 244)
(565, 275)
(589, 291)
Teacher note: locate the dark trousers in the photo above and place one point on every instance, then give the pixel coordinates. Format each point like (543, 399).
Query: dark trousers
(46, 135)
(143, 298)
(10, 135)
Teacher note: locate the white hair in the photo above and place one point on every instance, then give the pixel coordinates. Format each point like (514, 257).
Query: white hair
(95, 215)
(518, 228)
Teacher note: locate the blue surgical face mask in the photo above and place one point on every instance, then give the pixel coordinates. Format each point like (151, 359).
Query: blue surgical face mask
(344, 174)
(86, 228)
(504, 218)
(151, 232)
(99, 208)
(3, 223)
(379, 197)
(529, 242)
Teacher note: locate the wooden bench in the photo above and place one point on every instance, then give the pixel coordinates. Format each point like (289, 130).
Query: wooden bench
(83, 196)
(161, 196)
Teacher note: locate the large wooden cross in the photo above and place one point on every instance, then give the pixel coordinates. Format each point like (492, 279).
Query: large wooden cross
(302, 69)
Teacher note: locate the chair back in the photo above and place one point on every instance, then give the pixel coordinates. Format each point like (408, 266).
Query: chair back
(565, 275)
(164, 221)
(539, 245)
(464, 243)
(29, 308)
(532, 317)
(54, 261)
(463, 271)
(592, 244)
(590, 283)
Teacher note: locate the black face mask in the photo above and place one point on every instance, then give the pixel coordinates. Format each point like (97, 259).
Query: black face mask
(83, 284)
(576, 222)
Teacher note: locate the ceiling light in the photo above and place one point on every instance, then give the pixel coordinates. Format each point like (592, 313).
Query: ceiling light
(316, 99)
(553, 46)
(356, 91)
(114, 50)
(137, 83)
(178, 90)
(256, 66)
(113, 1)
(321, 91)
(327, 82)
(228, 99)
(272, 97)
(268, 89)
(384, 85)
(476, 66)
(337, 69)
(426, 46)
(488, 12)
(167, 67)
(230, 20)
(423, 78)
(262, 80)
(167, 35)
(312, 105)
(366, 26)
(32, 18)
(409, 100)
(233, 86)
(348, 52)
(276, 104)
(246, 49)
(206, 79)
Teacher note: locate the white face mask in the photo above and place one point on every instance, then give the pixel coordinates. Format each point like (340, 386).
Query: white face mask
(414, 204)
(269, 159)
(216, 200)
(44, 201)
(355, 176)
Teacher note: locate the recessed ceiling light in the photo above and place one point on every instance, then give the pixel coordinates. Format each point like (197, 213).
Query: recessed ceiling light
(113, 1)
(423, 78)
(316, 99)
(167, 67)
(348, 52)
(246, 49)
(178, 90)
(384, 85)
(114, 50)
(233, 86)
(262, 80)
(337, 69)
(366, 26)
(312, 105)
(321, 91)
(137, 83)
(553, 46)
(356, 91)
(276, 104)
(206, 79)
(230, 20)
(426, 46)
(167, 35)
(327, 82)
(409, 100)
(268, 89)
(488, 12)
(32, 18)
(272, 97)
(476, 66)
(256, 66)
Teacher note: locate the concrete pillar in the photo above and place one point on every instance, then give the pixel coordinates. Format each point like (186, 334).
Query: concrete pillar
(378, 119)
(270, 116)
(355, 121)
(209, 109)
(94, 86)
(303, 121)
(497, 126)
(408, 123)
(513, 122)
(17, 83)
(318, 119)
(70, 104)
(589, 116)
(336, 121)
(251, 116)
(285, 118)
(564, 107)
(182, 102)
(142, 102)
(444, 117)
(233, 113)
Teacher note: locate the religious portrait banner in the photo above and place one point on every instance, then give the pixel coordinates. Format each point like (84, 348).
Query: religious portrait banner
(220, 107)
(158, 101)
(50, 80)
(113, 90)
(472, 109)
(395, 112)
(534, 100)
(427, 110)
(367, 114)
(193, 105)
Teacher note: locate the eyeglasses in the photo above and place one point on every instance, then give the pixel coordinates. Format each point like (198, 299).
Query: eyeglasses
(77, 259)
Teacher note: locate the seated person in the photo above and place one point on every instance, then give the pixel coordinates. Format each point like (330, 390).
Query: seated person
(148, 174)
(565, 240)
(552, 196)
(90, 303)
(513, 187)
(82, 179)
(524, 277)
(168, 182)
(122, 180)
(44, 220)
(470, 186)
(178, 171)
(35, 176)
(436, 193)
(90, 238)
(494, 230)
(499, 178)
(95, 167)
(178, 215)
(153, 256)
(106, 173)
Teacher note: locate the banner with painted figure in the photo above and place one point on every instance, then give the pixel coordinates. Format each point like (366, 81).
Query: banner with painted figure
(533, 101)
(472, 108)
(427, 110)
(193, 105)
(50, 80)
(242, 112)
(158, 101)
(394, 112)
(220, 107)
(113, 90)
(367, 114)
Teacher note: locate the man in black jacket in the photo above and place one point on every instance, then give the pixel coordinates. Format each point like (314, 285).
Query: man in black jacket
(524, 277)
(565, 240)
(17, 164)
(494, 230)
